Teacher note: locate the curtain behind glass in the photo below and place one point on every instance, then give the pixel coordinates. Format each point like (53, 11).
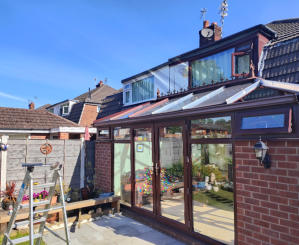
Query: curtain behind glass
(212, 68)
(143, 89)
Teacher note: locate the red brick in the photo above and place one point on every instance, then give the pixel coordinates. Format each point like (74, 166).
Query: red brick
(242, 143)
(261, 223)
(259, 183)
(253, 214)
(261, 237)
(261, 210)
(260, 196)
(293, 195)
(271, 219)
(290, 239)
(279, 228)
(272, 178)
(269, 204)
(289, 223)
(253, 241)
(270, 233)
(288, 209)
(293, 158)
(290, 165)
(279, 214)
(287, 180)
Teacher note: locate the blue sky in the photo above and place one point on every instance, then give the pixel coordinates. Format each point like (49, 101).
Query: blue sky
(52, 50)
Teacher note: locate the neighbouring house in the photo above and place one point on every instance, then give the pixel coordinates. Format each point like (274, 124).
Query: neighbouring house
(36, 124)
(84, 108)
(206, 145)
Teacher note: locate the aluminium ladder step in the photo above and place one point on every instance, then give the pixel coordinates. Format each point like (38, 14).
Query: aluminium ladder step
(46, 185)
(47, 210)
(26, 222)
(35, 204)
(22, 239)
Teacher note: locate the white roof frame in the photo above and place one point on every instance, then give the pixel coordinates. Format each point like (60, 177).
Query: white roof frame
(289, 87)
(243, 93)
(204, 98)
(172, 104)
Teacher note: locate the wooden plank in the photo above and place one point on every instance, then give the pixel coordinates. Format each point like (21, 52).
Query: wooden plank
(23, 214)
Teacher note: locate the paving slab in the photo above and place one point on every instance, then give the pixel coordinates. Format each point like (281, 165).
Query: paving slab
(113, 230)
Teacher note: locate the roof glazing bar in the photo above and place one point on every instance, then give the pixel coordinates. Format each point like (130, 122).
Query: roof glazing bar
(289, 87)
(172, 104)
(203, 98)
(243, 93)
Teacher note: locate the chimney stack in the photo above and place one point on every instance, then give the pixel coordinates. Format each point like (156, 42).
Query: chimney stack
(209, 33)
(100, 84)
(31, 106)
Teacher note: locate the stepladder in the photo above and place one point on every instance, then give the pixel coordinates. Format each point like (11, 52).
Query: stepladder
(38, 210)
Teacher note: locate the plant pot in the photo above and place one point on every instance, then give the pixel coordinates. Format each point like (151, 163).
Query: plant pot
(25, 202)
(6, 203)
(54, 200)
(52, 218)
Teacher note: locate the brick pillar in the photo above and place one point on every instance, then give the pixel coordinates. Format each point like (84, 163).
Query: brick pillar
(103, 166)
(63, 136)
(267, 199)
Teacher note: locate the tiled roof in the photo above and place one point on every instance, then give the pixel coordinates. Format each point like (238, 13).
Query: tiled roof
(97, 94)
(280, 61)
(43, 107)
(15, 118)
(285, 29)
(112, 104)
(76, 112)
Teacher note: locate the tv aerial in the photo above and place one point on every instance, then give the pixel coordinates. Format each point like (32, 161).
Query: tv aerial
(223, 12)
(203, 12)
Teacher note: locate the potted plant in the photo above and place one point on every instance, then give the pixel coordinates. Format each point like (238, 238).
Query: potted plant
(9, 196)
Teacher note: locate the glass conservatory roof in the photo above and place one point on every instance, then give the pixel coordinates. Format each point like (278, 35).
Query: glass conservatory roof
(222, 95)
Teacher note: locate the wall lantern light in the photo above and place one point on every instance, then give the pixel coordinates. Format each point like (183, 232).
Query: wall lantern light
(3, 147)
(261, 149)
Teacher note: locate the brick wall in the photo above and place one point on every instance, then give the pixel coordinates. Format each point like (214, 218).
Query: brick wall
(103, 166)
(267, 199)
(39, 136)
(89, 115)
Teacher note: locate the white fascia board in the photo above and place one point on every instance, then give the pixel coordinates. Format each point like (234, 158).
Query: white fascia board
(173, 104)
(24, 131)
(243, 93)
(80, 130)
(289, 87)
(204, 98)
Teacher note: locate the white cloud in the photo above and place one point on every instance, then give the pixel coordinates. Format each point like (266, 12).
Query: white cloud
(12, 97)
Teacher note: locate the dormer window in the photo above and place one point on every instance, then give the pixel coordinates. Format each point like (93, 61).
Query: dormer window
(212, 69)
(241, 64)
(65, 109)
(143, 89)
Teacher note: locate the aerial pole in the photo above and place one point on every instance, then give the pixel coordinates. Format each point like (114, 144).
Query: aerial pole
(223, 13)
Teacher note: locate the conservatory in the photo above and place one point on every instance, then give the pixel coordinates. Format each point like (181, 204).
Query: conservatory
(181, 159)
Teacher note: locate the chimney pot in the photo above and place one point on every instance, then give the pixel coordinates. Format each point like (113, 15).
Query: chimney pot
(206, 24)
(100, 84)
(31, 106)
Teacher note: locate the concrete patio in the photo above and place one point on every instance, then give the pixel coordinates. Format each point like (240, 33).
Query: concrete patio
(116, 229)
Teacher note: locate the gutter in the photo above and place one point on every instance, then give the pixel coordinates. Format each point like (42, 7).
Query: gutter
(80, 130)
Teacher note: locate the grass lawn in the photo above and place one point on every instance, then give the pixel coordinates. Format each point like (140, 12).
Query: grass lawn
(221, 199)
(18, 235)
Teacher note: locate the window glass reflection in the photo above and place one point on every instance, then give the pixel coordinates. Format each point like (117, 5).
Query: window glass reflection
(218, 127)
(212, 191)
(172, 173)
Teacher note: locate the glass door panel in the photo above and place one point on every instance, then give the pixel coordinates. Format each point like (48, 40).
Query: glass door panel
(122, 172)
(171, 173)
(143, 168)
(212, 191)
